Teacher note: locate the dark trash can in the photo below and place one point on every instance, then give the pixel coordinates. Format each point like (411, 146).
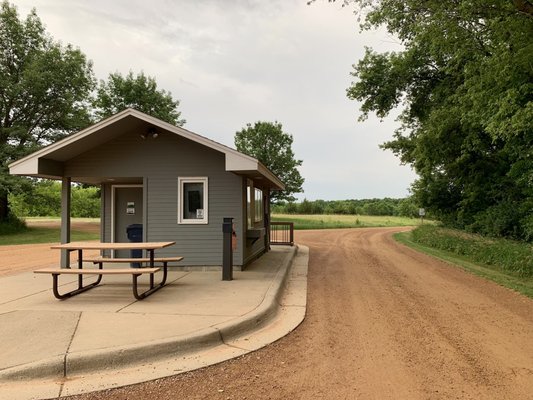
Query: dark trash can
(135, 235)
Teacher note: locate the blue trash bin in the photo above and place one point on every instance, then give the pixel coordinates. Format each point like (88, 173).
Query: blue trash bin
(135, 235)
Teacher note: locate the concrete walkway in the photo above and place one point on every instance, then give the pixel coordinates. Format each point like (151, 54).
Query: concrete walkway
(105, 338)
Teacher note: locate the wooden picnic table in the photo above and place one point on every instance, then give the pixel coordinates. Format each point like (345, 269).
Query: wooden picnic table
(134, 272)
(80, 246)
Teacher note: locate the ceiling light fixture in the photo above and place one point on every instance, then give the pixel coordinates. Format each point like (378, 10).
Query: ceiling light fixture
(150, 133)
(153, 132)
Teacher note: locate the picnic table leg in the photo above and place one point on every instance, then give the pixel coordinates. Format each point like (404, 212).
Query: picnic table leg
(140, 296)
(164, 280)
(81, 289)
(100, 266)
(80, 266)
(151, 266)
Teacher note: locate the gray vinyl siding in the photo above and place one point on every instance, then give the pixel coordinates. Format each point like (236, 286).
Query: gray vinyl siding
(200, 244)
(158, 164)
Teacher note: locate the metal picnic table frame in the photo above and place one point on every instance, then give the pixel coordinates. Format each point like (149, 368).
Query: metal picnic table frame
(150, 247)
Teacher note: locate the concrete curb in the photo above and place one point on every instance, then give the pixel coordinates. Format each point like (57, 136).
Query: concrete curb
(52, 367)
(266, 310)
(66, 365)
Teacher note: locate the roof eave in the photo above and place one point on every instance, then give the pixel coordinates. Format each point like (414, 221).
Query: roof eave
(241, 163)
(36, 163)
(69, 139)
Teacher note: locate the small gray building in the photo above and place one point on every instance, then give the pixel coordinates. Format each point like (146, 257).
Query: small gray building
(177, 184)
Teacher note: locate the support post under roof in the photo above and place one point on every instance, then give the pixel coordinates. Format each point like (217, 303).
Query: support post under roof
(65, 219)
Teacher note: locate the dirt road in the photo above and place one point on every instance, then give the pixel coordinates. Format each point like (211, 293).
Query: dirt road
(28, 257)
(383, 322)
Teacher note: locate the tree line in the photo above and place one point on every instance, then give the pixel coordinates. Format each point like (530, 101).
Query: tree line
(43, 199)
(464, 83)
(405, 207)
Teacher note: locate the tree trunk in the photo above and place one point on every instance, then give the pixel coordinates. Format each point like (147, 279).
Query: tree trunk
(4, 206)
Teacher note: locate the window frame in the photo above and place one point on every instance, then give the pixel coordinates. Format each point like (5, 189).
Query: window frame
(258, 206)
(254, 206)
(249, 204)
(193, 179)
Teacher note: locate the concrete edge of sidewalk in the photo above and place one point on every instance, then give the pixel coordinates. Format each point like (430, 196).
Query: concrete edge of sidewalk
(63, 366)
(266, 310)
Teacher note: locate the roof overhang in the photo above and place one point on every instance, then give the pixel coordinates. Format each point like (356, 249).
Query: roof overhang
(48, 161)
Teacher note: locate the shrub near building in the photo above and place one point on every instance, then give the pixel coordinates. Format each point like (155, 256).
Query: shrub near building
(512, 257)
(43, 199)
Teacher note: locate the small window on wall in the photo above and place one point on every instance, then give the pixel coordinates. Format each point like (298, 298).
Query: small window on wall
(258, 205)
(249, 203)
(254, 204)
(192, 201)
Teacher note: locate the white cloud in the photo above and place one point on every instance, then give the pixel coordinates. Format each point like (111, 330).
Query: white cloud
(234, 62)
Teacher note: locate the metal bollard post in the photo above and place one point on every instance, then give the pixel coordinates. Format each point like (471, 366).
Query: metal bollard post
(227, 251)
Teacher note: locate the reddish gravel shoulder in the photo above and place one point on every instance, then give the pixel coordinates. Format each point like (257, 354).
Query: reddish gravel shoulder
(28, 257)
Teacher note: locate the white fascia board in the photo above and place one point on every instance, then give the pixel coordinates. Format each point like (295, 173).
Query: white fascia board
(271, 177)
(72, 138)
(235, 162)
(242, 163)
(29, 166)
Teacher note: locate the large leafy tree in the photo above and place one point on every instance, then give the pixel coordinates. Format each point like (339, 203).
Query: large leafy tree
(465, 81)
(139, 92)
(267, 142)
(44, 88)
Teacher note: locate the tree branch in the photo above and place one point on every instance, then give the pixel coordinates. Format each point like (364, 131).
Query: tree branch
(524, 6)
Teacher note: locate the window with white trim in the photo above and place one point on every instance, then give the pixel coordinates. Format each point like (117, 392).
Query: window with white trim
(192, 200)
(249, 203)
(254, 204)
(258, 205)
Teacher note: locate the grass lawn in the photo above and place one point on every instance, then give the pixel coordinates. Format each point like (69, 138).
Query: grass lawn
(49, 232)
(30, 220)
(44, 235)
(521, 284)
(343, 221)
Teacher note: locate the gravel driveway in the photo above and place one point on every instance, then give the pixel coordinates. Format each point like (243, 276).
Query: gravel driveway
(383, 322)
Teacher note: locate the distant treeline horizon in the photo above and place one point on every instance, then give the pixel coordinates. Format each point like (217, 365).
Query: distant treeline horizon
(402, 207)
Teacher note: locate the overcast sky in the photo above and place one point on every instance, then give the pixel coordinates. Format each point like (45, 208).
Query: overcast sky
(233, 62)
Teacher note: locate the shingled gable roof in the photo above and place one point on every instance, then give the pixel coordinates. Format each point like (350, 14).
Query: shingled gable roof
(44, 162)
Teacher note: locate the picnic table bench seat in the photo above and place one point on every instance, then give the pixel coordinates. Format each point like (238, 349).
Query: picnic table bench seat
(164, 260)
(98, 271)
(134, 272)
